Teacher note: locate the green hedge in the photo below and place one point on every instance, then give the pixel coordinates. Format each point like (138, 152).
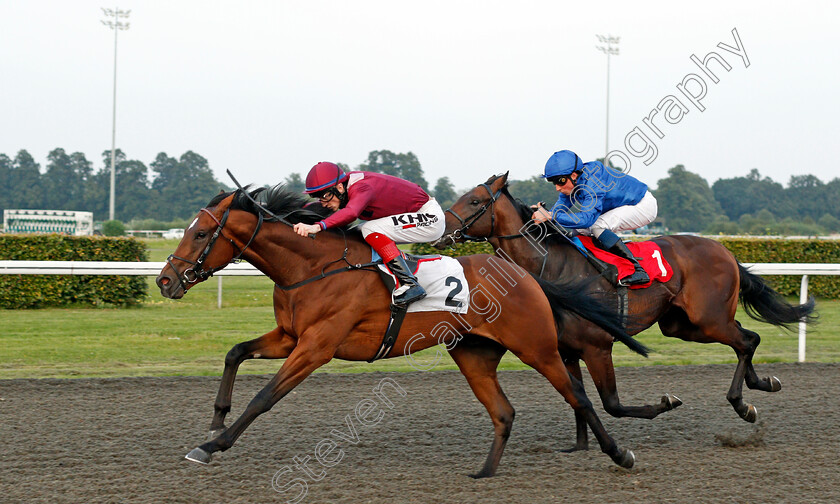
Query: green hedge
(747, 250)
(791, 251)
(37, 291)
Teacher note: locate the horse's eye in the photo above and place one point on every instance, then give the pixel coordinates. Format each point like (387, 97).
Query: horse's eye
(200, 235)
(474, 202)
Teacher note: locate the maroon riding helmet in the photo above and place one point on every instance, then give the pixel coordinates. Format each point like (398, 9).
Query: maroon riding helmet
(323, 176)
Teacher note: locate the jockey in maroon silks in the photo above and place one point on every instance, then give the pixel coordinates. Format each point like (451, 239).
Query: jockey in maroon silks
(393, 210)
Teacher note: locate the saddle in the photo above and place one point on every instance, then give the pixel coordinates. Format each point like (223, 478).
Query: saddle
(446, 287)
(413, 262)
(614, 267)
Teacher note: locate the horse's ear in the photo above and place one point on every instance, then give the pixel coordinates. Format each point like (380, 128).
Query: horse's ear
(499, 181)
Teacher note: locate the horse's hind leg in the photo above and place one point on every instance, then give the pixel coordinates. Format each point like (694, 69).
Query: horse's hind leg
(746, 373)
(676, 323)
(478, 358)
(769, 384)
(271, 345)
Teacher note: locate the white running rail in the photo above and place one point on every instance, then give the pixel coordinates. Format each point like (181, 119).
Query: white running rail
(245, 269)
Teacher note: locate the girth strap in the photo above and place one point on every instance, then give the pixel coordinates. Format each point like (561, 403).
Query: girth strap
(390, 338)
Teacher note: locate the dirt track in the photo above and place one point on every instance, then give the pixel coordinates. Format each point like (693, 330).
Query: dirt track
(123, 440)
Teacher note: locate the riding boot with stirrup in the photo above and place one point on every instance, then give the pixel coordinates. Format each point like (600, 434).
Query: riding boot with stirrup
(408, 290)
(639, 276)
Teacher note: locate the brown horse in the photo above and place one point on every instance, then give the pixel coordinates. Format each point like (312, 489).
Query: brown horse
(344, 315)
(697, 304)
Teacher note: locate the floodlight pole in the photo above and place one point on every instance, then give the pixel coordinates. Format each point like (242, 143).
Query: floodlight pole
(608, 50)
(115, 25)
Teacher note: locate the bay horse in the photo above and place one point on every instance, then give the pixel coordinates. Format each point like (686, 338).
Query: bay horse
(323, 315)
(697, 304)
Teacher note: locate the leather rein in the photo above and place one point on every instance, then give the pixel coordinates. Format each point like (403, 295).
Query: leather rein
(197, 272)
(468, 222)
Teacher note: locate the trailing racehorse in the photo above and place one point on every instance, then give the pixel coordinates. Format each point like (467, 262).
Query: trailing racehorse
(698, 303)
(322, 315)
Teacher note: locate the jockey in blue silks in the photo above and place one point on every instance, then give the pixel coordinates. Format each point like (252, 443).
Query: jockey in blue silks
(597, 202)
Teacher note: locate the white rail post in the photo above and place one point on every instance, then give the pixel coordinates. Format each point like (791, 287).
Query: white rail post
(220, 292)
(803, 297)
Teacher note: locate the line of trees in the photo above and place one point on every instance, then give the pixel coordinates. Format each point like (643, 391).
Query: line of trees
(751, 204)
(167, 189)
(171, 189)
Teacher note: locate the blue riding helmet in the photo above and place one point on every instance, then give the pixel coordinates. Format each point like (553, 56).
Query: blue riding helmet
(560, 163)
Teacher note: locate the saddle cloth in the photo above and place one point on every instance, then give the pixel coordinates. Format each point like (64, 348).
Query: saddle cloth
(441, 276)
(648, 254)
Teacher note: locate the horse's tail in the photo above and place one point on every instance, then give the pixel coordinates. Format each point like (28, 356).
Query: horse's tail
(763, 303)
(577, 298)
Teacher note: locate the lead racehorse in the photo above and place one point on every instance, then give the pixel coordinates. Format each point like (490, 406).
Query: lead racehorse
(344, 315)
(697, 304)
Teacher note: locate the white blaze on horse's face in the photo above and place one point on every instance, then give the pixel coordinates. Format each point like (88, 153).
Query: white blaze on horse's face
(192, 225)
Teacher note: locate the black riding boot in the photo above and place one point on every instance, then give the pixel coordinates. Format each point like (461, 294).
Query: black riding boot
(409, 290)
(637, 277)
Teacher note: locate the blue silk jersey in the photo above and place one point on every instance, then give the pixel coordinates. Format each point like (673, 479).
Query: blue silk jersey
(597, 190)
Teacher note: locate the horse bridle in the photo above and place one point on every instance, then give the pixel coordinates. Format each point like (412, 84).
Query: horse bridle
(467, 223)
(197, 272)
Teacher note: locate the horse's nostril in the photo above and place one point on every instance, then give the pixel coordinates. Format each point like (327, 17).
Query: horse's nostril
(164, 281)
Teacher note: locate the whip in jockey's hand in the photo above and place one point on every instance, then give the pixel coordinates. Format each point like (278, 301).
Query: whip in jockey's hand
(393, 211)
(540, 214)
(306, 229)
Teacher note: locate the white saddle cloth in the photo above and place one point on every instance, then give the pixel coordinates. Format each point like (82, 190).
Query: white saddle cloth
(445, 284)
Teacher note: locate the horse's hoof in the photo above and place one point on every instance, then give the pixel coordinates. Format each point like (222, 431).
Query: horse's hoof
(626, 459)
(671, 401)
(216, 433)
(198, 455)
(480, 475)
(775, 384)
(751, 415)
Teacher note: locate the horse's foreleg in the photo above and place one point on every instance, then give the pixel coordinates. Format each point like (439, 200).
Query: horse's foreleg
(600, 365)
(478, 359)
(551, 366)
(582, 436)
(271, 345)
(300, 364)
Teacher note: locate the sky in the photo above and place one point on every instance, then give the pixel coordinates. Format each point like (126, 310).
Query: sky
(473, 88)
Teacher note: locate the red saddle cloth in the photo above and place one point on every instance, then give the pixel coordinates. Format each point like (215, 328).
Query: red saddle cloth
(647, 252)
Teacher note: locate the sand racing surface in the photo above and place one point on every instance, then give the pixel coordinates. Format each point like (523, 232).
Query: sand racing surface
(123, 440)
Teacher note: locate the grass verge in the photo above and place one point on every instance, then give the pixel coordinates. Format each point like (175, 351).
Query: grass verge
(191, 337)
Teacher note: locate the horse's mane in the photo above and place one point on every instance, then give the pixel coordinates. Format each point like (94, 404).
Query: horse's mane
(525, 212)
(279, 200)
